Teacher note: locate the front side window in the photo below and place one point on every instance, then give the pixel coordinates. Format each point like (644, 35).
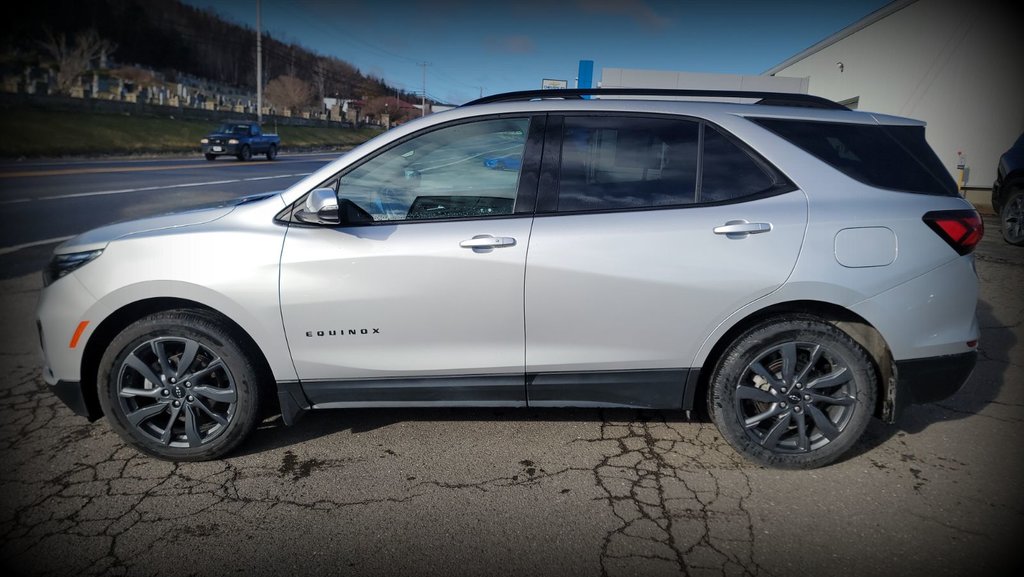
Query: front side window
(461, 171)
(627, 162)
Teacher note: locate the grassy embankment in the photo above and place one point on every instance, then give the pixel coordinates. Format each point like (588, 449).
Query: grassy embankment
(32, 132)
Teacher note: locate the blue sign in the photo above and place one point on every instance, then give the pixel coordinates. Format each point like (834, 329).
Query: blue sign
(586, 75)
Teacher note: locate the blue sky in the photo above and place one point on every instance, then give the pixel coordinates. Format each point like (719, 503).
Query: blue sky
(484, 47)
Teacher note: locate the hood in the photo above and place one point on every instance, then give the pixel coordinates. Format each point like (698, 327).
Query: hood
(99, 238)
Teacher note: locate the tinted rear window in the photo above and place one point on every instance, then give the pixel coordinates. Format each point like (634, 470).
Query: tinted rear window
(895, 157)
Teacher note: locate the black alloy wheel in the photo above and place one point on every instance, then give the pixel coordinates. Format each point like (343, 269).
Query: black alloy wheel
(795, 392)
(178, 385)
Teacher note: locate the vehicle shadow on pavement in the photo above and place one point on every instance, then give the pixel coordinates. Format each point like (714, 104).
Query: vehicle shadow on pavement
(982, 388)
(274, 434)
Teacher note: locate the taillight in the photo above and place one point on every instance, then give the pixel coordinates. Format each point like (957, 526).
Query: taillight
(962, 229)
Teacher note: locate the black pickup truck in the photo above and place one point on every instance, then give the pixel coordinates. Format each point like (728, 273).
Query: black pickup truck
(241, 140)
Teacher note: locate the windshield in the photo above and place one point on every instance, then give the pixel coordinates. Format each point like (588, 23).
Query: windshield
(233, 129)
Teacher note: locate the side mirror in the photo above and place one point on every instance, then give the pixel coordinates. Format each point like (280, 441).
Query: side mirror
(321, 207)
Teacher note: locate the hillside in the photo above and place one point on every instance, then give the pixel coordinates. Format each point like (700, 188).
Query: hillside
(175, 39)
(48, 133)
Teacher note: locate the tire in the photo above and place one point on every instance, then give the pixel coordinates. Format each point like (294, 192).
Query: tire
(211, 157)
(245, 154)
(1011, 218)
(272, 152)
(197, 412)
(761, 407)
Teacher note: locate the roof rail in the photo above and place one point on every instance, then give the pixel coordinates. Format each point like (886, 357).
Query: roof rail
(768, 98)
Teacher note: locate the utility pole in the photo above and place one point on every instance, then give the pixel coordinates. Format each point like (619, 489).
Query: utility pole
(259, 66)
(423, 101)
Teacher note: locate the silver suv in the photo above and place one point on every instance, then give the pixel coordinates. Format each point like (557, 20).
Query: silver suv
(791, 266)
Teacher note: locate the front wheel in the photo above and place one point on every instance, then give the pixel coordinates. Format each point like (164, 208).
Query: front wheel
(795, 392)
(178, 385)
(1011, 218)
(211, 157)
(245, 154)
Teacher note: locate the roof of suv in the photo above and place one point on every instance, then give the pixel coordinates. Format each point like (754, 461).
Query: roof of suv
(759, 97)
(695, 102)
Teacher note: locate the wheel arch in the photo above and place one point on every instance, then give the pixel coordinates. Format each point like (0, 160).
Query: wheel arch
(118, 320)
(858, 328)
(1007, 185)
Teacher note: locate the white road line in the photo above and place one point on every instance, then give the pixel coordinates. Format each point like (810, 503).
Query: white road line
(273, 177)
(10, 249)
(146, 188)
(128, 162)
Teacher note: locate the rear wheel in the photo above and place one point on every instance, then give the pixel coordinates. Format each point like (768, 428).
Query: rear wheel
(795, 392)
(1011, 217)
(178, 386)
(272, 152)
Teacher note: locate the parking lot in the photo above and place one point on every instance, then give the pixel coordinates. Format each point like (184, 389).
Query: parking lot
(519, 492)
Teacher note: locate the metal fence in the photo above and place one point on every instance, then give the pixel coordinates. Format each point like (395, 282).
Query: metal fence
(103, 106)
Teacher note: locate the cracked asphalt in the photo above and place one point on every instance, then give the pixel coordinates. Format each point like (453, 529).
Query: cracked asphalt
(520, 492)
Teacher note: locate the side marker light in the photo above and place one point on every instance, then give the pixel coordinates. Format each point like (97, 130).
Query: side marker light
(78, 334)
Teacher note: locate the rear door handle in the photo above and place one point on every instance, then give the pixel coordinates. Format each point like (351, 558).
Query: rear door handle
(488, 241)
(741, 228)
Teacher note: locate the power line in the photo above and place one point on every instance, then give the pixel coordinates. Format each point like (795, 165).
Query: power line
(357, 41)
(424, 100)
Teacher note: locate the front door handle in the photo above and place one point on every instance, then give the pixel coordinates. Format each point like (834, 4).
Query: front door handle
(741, 228)
(487, 241)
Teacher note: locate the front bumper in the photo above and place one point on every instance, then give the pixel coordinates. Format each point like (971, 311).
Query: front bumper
(70, 392)
(229, 149)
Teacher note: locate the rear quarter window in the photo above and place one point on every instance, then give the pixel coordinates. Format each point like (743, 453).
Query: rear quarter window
(728, 172)
(892, 157)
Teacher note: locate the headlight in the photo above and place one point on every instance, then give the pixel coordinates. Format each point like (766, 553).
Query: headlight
(233, 141)
(204, 141)
(62, 264)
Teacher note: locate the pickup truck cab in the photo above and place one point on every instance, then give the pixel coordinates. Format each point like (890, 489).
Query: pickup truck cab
(241, 140)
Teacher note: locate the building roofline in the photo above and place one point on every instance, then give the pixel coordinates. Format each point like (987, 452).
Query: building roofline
(857, 26)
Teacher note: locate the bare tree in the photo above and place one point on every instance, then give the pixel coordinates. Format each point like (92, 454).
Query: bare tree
(288, 92)
(139, 76)
(73, 60)
(398, 111)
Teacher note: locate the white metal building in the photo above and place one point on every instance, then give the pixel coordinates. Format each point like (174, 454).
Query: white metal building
(957, 65)
(633, 78)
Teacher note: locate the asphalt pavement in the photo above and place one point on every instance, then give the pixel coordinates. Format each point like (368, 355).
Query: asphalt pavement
(482, 491)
